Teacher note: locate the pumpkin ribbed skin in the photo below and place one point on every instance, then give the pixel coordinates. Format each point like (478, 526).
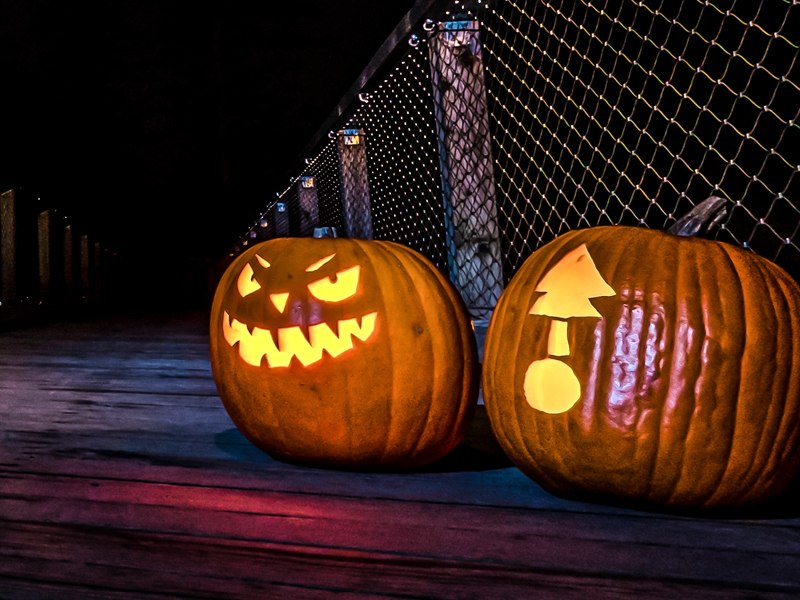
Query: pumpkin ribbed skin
(689, 380)
(399, 399)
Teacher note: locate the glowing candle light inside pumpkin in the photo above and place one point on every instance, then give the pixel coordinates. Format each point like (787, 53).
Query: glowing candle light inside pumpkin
(302, 347)
(550, 384)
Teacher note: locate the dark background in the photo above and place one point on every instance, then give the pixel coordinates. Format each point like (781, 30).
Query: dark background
(164, 128)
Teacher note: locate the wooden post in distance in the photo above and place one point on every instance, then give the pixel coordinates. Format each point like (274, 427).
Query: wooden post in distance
(352, 149)
(465, 158)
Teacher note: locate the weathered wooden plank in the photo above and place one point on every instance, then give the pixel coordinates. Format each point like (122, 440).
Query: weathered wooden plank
(202, 567)
(469, 474)
(63, 387)
(473, 473)
(151, 565)
(122, 476)
(349, 521)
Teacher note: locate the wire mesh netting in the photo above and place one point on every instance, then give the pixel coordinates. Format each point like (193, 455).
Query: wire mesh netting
(633, 115)
(505, 124)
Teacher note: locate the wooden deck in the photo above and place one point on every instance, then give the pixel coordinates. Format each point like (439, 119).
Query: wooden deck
(122, 477)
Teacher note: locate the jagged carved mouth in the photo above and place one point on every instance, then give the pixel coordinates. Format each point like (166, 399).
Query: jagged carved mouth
(259, 344)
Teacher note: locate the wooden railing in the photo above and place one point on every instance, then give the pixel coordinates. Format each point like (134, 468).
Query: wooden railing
(47, 261)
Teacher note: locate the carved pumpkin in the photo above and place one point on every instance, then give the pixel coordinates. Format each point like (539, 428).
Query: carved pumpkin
(341, 352)
(633, 366)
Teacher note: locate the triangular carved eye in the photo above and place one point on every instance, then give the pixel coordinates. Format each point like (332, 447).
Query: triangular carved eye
(246, 284)
(317, 265)
(342, 286)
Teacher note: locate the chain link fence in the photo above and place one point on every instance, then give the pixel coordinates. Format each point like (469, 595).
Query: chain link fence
(504, 124)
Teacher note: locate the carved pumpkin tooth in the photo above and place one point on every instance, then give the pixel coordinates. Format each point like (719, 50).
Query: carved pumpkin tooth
(336, 328)
(275, 337)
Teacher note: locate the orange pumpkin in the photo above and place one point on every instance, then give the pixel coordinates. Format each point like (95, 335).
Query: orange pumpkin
(344, 353)
(634, 366)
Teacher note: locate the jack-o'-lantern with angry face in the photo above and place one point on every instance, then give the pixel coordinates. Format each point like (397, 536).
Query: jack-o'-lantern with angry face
(344, 353)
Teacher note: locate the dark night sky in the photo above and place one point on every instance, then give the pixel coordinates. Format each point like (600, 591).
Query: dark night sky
(166, 127)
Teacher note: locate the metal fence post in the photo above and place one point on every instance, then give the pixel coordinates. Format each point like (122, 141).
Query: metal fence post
(352, 149)
(462, 120)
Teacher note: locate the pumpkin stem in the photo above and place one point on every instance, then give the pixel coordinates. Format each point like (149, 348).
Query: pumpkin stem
(702, 219)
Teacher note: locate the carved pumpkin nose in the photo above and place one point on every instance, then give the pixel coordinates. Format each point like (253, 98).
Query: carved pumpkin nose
(279, 301)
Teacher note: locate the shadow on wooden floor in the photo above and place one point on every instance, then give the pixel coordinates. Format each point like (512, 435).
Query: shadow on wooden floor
(479, 451)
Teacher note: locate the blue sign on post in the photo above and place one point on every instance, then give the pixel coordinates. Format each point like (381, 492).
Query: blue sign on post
(458, 25)
(352, 137)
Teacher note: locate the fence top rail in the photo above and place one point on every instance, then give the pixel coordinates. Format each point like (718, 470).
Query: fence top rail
(393, 46)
